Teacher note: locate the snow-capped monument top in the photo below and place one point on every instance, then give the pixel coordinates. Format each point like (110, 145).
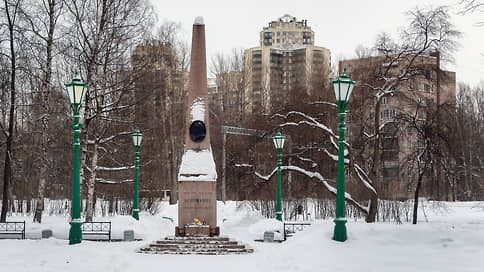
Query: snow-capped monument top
(199, 21)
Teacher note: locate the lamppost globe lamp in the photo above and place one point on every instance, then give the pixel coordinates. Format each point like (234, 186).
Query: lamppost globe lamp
(75, 91)
(137, 137)
(278, 140)
(343, 87)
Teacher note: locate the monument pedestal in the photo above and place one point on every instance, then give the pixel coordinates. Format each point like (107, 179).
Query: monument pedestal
(197, 209)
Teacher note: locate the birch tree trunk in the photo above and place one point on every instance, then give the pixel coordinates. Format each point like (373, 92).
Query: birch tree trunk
(91, 184)
(173, 164)
(45, 106)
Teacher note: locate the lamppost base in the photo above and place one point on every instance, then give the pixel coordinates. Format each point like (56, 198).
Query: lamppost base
(136, 215)
(340, 230)
(75, 233)
(279, 216)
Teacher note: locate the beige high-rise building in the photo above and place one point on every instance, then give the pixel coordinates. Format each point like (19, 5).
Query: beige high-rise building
(285, 65)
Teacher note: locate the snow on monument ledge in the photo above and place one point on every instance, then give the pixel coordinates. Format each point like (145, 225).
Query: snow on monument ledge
(197, 166)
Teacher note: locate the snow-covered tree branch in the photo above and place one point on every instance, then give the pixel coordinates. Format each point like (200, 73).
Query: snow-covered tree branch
(319, 178)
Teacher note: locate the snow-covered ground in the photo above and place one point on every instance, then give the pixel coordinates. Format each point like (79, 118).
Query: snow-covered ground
(449, 237)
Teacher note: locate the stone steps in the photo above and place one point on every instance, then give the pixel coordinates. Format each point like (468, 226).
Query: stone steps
(196, 245)
(163, 242)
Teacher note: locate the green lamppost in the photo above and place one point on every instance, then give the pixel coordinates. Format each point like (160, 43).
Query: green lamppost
(137, 137)
(279, 143)
(343, 87)
(75, 91)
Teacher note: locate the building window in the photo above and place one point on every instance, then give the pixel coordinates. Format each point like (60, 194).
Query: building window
(421, 115)
(284, 34)
(409, 143)
(422, 87)
(388, 113)
(278, 34)
(410, 86)
(393, 112)
(431, 88)
(384, 100)
(421, 101)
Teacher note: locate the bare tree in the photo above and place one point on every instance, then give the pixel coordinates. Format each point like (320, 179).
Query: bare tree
(11, 11)
(310, 155)
(467, 140)
(471, 6)
(103, 32)
(362, 51)
(398, 62)
(174, 101)
(424, 121)
(41, 20)
(326, 148)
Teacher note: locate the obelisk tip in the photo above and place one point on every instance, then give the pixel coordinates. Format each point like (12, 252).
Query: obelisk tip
(198, 20)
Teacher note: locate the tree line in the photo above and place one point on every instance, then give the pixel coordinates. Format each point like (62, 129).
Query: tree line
(137, 78)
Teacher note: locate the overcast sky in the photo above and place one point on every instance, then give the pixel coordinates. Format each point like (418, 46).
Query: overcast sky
(339, 26)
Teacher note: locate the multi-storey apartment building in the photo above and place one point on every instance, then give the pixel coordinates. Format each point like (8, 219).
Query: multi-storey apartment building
(425, 88)
(285, 63)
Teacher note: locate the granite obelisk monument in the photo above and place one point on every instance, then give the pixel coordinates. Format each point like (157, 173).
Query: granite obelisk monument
(197, 178)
